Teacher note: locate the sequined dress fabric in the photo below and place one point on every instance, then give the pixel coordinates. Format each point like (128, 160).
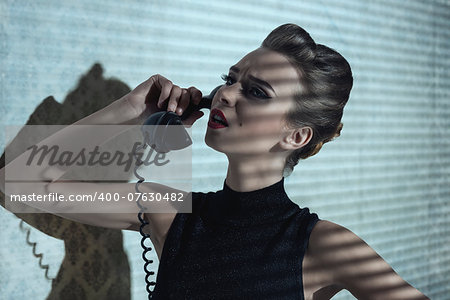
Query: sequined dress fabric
(236, 245)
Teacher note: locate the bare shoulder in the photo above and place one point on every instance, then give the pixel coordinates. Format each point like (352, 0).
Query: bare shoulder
(347, 261)
(327, 235)
(318, 281)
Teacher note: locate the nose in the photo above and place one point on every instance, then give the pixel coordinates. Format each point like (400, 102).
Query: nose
(229, 94)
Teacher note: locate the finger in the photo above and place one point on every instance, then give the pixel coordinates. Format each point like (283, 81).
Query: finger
(184, 102)
(143, 88)
(196, 95)
(166, 88)
(192, 118)
(175, 95)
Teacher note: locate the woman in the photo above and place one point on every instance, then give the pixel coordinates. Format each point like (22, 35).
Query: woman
(280, 103)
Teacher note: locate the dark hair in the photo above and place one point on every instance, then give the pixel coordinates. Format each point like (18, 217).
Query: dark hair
(326, 79)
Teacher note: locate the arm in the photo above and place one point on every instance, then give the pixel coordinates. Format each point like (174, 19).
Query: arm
(352, 264)
(133, 108)
(123, 213)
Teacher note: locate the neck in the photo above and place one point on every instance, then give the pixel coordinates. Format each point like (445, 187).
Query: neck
(251, 173)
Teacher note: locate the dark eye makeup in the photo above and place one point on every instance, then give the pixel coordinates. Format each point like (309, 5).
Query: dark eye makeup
(252, 91)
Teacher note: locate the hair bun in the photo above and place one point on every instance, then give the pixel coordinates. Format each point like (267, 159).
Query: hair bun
(336, 133)
(317, 148)
(338, 130)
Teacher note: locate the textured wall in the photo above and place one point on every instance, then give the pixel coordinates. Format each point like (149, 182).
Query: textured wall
(386, 178)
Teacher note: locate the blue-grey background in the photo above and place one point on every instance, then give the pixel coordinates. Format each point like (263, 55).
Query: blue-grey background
(386, 178)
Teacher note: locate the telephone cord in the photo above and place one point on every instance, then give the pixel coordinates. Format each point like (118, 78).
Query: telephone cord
(145, 236)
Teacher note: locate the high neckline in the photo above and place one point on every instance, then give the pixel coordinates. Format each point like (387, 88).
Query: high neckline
(264, 205)
(277, 186)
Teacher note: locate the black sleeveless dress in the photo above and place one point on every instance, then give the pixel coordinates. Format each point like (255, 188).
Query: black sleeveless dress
(236, 245)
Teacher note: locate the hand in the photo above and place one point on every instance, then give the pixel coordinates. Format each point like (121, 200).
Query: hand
(158, 94)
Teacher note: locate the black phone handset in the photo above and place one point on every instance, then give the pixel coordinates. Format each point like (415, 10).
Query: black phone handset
(154, 136)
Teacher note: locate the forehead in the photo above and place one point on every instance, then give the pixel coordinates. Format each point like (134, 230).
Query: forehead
(272, 67)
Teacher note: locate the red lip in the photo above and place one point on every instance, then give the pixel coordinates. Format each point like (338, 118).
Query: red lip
(212, 123)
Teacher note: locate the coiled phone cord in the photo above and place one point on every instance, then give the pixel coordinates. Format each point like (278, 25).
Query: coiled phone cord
(144, 223)
(37, 255)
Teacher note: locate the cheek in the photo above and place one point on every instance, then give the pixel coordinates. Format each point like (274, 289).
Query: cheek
(266, 124)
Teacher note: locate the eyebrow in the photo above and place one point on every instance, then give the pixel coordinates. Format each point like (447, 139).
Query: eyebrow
(257, 80)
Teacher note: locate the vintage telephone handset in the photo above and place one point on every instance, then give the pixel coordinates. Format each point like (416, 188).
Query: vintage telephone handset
(154, 136)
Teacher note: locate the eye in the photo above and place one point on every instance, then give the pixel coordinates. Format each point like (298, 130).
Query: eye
(254, 92)
(228, 79)
(258, 93)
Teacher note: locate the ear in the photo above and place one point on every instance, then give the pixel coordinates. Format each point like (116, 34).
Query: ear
(296, 138)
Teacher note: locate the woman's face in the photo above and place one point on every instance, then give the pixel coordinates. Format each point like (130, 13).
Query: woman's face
(257, 94)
